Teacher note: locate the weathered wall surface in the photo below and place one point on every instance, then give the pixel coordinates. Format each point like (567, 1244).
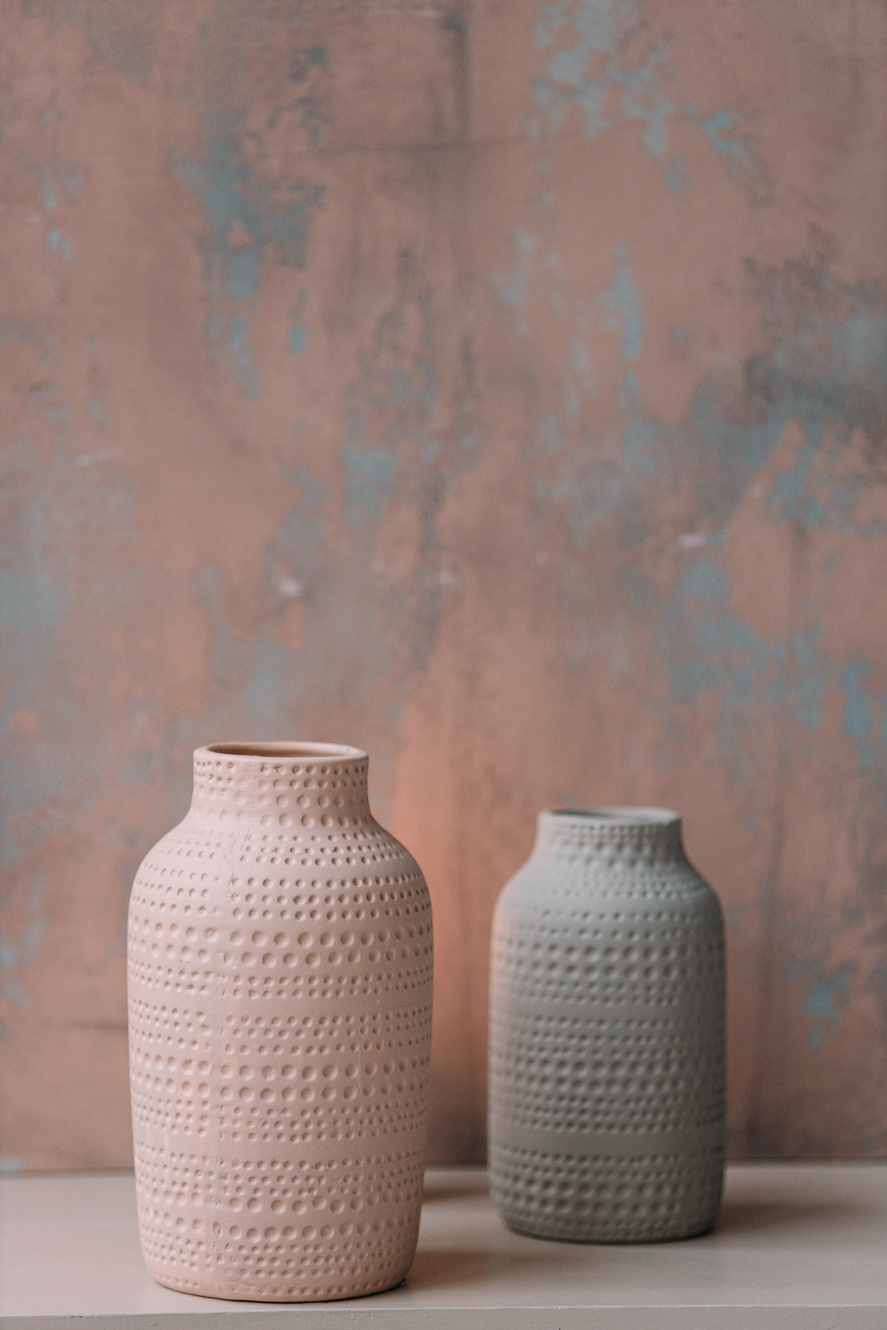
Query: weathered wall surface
(498, 388)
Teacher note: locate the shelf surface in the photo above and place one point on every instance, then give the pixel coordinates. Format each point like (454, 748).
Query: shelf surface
(796, 1247)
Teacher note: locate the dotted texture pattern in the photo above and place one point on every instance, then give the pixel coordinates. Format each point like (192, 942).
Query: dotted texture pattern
(607, 1035)
(280, 986)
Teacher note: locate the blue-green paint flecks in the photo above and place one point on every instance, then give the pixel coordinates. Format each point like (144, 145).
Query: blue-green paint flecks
(56, 508)
(298, 340)
(368, 481)
(724, 131)
(513, 289)
(57, 242)
(858, 723)
(589, 68)
(825, 1000)
(14, 954)
(865, 721)
(814, 675)
(623, 308)
(832, 376)
(602, 65)
(707, 648)
(249, 221)
(120, 37)
(306, 67)
(59, 175)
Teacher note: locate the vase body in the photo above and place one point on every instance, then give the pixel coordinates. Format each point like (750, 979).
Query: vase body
(280, 985)
(606, 1104)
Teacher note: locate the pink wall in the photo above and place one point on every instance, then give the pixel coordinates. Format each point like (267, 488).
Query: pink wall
(498, 388)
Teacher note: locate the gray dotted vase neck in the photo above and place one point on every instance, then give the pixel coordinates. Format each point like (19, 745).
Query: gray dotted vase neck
(280, 984)
(606, 1093)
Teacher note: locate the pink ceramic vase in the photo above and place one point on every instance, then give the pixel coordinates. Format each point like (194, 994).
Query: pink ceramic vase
(280, 978)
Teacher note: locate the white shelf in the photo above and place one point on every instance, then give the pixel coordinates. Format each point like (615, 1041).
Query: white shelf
(797, 1247)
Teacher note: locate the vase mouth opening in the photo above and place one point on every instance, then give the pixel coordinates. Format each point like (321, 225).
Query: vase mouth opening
(609, 816)
(284, 748)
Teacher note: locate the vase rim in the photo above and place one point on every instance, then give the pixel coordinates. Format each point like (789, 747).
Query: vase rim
(615, 815)
(263, 751)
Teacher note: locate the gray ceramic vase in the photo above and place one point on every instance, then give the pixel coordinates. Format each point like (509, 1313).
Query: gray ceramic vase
(606, 1108)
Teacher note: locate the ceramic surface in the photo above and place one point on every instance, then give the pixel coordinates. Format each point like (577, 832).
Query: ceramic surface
(607, 1034)
(280, 985)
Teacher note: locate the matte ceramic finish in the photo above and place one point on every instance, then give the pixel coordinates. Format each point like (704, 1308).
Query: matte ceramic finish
(607, 1034)
(280, 983)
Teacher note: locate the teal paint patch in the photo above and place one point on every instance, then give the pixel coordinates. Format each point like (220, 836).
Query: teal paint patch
(865, 722)
(12, 1164)
(368, 481)
(825, 1001)
(303, 62)
(247, 217)
(723, 129)
(623, 311)
(59, 243)
(596, 68)
(63, 519)
(707, 649)
(120, 37)
(811, 372)
(814, 676)
(513, 289)
(241, 353)
(820, 367)
(307, 67)
(829, 372)
(15, 330)
(603, 67)
(15, 954)
(60, 175)
(31, 602)
(251, 221)
(298, 341)
(858, 723)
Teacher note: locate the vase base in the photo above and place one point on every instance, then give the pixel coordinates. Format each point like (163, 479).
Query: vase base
(289, 1294)
(602, 1239)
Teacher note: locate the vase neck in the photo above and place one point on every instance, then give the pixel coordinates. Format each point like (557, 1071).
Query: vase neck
(611, 833)
(284, 784)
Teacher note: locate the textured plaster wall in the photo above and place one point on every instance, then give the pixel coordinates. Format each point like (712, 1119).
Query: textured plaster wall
(499, 388)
